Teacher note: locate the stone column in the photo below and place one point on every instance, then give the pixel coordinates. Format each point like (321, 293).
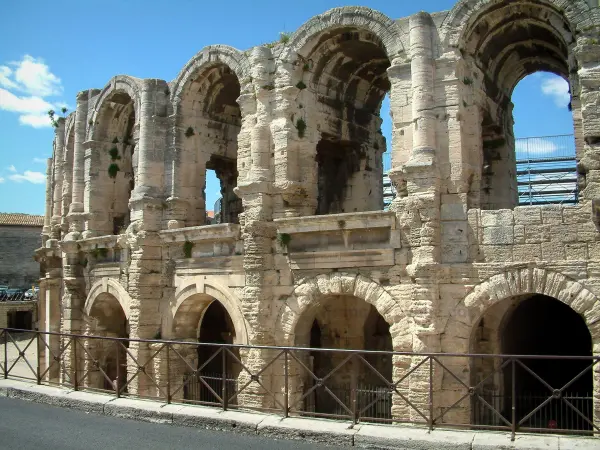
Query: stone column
(76, 212)
(175, 167)
(58, 162)
(49, 321)
(73, 300)
(48, 212)
(257, 227)
(66, 185)
(589, 78)
(142, 236)
(296, 177)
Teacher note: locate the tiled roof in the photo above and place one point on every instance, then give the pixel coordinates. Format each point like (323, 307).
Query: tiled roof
(21, 219)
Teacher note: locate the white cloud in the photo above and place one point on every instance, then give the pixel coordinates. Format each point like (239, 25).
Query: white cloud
(535, 146)
(40, 160)
(12, 168)
(33, 78)
(5, 73)
(2, 180)
(35, 120)
(30, 176)
(557, 88)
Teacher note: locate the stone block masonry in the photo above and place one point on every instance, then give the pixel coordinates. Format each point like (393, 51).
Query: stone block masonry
(302, 254)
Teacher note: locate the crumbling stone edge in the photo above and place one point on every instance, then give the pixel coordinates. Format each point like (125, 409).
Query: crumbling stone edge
(269, 425)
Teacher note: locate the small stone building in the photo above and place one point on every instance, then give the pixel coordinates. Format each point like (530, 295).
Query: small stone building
(305, 254)
(20, 236)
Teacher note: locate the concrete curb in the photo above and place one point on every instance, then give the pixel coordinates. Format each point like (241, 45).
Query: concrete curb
(269, 425)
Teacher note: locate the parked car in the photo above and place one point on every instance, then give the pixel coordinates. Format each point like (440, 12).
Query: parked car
(12, 294)
(31, 294)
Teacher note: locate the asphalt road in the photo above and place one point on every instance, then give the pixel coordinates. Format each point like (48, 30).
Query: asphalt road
(32, 426)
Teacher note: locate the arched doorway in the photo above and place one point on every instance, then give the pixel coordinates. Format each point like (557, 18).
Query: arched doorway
(333, 381)
(536, 325)
(203, 321)
(105, 361)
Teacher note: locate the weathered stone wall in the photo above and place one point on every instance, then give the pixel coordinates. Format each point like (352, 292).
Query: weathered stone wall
(7, 308)
(18, 268)
(292, 131)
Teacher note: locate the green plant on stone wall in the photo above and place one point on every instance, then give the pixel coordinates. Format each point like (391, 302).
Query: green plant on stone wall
(284, 37)
(187, 249)
(189, 132)
(284, 239)
(113, 169)
(301, 127)
(300, 85)
(114, 153)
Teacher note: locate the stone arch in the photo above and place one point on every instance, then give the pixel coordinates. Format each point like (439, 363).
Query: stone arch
(219, 293)
(118, 84)
(393, 39)
(309, 294)
(212, 54)
(69, 125)
(108, 286)
(517, 282)
(455, 24)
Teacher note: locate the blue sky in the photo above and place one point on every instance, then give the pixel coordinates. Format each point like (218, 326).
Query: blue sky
(52, 50)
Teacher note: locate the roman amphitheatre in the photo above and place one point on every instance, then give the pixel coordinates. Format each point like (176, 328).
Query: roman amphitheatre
(305, 253)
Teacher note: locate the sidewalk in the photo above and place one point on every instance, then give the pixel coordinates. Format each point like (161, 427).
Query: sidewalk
(316, 430)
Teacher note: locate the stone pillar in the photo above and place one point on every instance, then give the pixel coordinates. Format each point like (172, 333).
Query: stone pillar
(142, 236)
(49, 321)
(66, 185)
(589, 78)
(294, 147)
(76, 212)
(58, 178)
(73, 300)
(418, 202)
(177, 183)
(48, 212)
(257, 228)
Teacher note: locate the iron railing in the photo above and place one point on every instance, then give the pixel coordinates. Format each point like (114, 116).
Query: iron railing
(546, 170)
(429, 389)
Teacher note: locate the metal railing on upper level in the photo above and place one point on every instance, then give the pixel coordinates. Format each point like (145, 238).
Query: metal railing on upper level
(546, 170)
(356, 385)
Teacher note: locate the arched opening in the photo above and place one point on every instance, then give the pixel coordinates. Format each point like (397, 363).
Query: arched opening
(348, 77)
(542, 326)
(106, 360)
(345, 322)
(209, 127)
(206, 321)
(545, 150)
(502, 45)
(113, 164)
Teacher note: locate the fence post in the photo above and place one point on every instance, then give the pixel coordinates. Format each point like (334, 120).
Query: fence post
(513, 401)
(430, 394)
(5, 354)
(353, 390)
(168, 374)
(224, 377)
(39, 372)
(118, 380)
(75, 381)
(286, 384)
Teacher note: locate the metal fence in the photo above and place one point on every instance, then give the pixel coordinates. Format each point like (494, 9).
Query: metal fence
(431, 390)
(546, 170)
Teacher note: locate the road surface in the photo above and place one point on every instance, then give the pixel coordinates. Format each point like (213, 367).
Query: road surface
(32, 426)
